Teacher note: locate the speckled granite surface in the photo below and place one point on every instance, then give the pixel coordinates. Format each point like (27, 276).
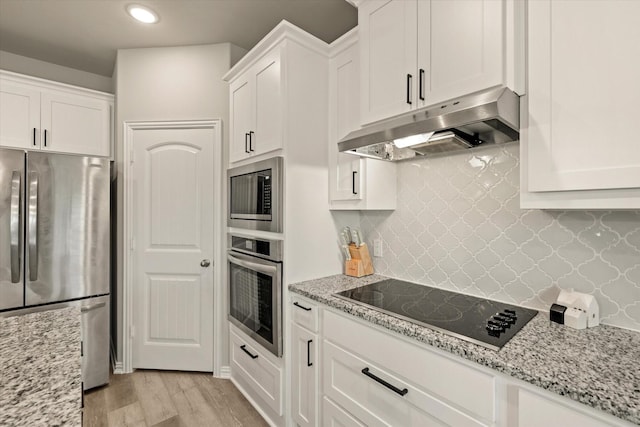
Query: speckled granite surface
(40, 371)
(599, 367)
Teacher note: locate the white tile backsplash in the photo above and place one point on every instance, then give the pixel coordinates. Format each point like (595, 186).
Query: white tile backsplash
(459, 226)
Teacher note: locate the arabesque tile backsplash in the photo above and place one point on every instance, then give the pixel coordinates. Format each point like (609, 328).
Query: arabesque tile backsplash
(458, 225)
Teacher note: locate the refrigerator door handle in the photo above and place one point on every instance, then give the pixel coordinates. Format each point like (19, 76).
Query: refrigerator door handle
(33, 226)
(16, 211)
(92, 307)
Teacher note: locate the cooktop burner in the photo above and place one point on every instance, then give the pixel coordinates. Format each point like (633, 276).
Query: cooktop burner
(481, 321)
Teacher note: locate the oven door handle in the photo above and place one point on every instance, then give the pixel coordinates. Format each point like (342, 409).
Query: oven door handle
(262, 268)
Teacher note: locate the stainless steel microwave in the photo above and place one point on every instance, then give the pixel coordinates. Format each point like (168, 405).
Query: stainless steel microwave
(255, 196)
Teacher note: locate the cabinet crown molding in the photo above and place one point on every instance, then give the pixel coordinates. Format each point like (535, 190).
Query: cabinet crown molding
(283, 31)
(344, 42)
(50, 84)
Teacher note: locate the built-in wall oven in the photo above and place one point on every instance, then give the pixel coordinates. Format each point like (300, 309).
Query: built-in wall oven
(255, 196)
(255, 289)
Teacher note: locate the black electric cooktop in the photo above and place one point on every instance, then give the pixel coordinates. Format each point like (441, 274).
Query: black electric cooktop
(481, 321)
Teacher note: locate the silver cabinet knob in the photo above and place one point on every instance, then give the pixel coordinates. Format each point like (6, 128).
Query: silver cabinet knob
(205, 263)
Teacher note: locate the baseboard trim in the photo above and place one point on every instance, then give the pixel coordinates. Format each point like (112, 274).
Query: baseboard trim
(116, 366)
(225, 372)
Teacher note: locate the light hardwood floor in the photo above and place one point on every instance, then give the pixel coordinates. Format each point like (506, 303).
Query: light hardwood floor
(168, 399)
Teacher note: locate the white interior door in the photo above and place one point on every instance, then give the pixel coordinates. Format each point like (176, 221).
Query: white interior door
(173, 214)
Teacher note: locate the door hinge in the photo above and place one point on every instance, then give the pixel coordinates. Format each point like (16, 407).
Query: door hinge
(132, 331)
(132, 156)
(133, 244)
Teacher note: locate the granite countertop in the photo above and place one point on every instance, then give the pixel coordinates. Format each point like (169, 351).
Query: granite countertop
(40, 369)
(599, 367)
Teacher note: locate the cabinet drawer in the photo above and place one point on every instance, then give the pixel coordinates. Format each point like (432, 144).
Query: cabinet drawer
(305, 313)
(262, 375)
(369, 399)
(448, 381)
(334, 416)
(535, 410)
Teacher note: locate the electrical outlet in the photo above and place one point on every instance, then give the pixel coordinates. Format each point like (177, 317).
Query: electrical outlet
(377, 247)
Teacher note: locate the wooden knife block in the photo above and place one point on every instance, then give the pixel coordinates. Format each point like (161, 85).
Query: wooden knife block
(360, 263)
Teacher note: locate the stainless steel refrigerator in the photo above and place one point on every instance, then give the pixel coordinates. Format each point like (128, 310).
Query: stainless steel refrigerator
(54, 244)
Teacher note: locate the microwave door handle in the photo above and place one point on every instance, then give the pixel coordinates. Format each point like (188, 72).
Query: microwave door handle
(262, 268)
(16, 212)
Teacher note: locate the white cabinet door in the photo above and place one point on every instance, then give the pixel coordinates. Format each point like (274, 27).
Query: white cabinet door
(335, 416)
(345, 178)
(19, 115)
(241, 105)
(256, 109)
(460, 48)
(268, 105)
(536, 410)
(75, 124)
(354, 182)
(583, 96)
(304, 377)
(388, 37)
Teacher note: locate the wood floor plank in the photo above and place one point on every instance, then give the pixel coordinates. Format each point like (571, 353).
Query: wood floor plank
(171, 422)
(127, 416)
(233, 408)
(94, 413)
(119, 392)
(176, 381)
(194, 410)
(153, 396)
(169, 399)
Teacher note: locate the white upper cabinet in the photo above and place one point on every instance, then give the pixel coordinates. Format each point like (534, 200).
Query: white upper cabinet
(19, 115)
(416, 53)
(388, 46)
(39, 115)
(580, 148)
(256, 109)
(460, 48)
(355, 182)
(75, 124)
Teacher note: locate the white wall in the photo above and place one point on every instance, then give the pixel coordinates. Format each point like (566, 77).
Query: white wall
(173, 83)
(46, 70)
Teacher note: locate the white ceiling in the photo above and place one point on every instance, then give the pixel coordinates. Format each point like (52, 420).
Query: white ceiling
(85, 34)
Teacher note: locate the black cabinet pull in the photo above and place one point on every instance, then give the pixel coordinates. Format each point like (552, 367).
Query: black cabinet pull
(421, 85)
(34, 137)
(244, 348)
(82, 395)
(309, 353)
(409, 77)
(301, 306)
(246, 143)
(251, 140)
(45, 137)
(384, 383)
(353, 182)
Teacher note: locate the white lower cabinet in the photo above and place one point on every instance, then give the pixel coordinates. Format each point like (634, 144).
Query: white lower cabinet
(363, 375)
(335, 416)
(534, 410)
(383, 380)
(304, 376)
(259, 375)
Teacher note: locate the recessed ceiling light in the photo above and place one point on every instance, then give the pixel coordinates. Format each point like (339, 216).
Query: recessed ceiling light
(142, 14)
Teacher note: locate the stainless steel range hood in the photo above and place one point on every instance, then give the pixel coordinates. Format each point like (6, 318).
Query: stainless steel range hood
(487, 117)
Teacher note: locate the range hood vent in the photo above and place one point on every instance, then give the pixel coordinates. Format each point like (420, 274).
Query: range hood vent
(488, 117)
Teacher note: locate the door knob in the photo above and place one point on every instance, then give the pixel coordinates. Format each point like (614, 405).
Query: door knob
(205, 263)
